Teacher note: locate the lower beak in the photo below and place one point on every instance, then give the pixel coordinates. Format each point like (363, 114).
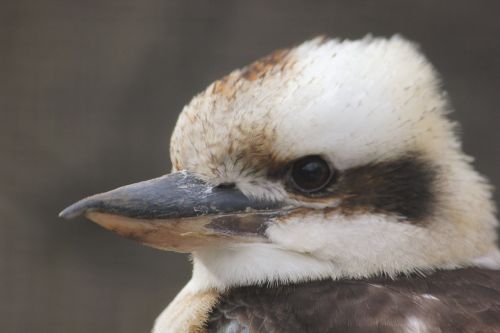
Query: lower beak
(179, 212)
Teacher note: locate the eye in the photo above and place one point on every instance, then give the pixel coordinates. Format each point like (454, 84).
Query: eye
(310, 174)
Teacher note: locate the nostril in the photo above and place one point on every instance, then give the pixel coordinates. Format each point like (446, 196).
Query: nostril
(226, 186)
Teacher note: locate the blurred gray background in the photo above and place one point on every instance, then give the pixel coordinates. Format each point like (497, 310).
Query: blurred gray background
(89, 94)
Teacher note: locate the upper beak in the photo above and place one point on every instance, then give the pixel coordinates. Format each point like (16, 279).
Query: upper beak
(179, 212)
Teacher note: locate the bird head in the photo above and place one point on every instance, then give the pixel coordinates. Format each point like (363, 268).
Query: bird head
(331, 159)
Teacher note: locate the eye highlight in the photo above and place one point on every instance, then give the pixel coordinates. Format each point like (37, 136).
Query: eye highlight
(310, 174)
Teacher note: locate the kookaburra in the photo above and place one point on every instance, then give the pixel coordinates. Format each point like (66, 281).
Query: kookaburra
(321, 188)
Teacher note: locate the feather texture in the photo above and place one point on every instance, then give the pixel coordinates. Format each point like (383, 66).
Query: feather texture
(465, 300)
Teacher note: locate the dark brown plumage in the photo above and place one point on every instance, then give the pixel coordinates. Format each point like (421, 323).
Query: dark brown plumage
(447, 301)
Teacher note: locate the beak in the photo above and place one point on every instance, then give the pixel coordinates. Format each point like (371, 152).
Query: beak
(179, 212)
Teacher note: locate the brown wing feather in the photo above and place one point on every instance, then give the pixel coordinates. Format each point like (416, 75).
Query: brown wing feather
(465, 300)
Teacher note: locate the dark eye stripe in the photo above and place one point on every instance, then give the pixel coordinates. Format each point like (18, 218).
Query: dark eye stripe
(405, 186)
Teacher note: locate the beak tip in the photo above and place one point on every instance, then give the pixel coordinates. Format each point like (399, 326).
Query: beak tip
(77, 209)
(68, 213)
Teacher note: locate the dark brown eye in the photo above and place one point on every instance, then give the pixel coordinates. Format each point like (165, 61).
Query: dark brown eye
(310, 174)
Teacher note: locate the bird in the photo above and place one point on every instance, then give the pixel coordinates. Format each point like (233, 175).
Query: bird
(321, 188)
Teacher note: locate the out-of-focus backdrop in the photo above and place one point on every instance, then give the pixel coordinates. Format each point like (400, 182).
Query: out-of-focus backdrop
(89, 94)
